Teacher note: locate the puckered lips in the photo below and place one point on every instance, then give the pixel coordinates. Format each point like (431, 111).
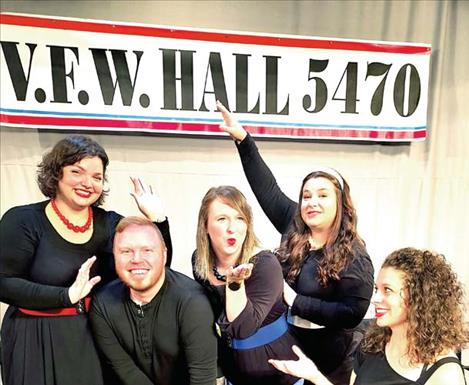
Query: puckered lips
(379, 312)
(231, 241)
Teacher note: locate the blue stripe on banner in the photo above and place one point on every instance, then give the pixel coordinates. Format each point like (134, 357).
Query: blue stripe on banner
(200, 120)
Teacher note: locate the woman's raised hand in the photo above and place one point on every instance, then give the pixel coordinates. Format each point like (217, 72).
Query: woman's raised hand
(83, 284)
(148, 202)
(239, 273)
(231, 125)
(303, 367)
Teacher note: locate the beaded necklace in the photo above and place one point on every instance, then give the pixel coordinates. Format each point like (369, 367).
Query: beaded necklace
(217, 275)
(71, 226)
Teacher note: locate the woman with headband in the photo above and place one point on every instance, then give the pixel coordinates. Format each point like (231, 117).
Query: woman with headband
(328, 273)
(419, 327)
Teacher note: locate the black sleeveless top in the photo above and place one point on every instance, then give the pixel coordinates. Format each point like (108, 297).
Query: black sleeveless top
(374, 369)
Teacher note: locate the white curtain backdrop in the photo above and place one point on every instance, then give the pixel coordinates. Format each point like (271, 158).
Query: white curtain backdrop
(405, 195)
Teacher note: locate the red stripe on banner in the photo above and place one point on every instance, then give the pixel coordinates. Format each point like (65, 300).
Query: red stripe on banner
(178, 127)
(229, 37)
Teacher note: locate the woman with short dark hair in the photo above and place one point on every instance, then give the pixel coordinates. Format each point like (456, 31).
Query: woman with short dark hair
(52, 255)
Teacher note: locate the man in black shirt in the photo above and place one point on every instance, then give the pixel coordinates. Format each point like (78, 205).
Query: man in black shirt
(154, 325)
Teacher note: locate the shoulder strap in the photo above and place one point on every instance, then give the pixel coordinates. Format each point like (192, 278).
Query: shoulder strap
(427, 373)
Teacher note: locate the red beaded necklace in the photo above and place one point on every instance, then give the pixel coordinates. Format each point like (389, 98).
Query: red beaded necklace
(71, 226)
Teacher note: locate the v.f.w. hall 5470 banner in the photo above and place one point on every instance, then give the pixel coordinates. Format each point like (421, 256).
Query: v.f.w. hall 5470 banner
(87, 74)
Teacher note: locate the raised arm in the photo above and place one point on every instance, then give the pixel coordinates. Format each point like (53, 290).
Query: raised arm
(263, 289)
(147, 201)
(236, 298)
(18, 242)
(276, 205)
(150, 205)
(30, 295)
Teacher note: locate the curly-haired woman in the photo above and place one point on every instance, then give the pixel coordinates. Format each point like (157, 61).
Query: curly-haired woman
(325, 263)
(418, 328)
(52, 254)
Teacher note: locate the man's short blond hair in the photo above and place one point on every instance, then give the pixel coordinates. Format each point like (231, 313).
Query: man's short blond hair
(138, 221)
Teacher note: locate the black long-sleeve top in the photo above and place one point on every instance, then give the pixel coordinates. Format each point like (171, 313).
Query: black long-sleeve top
(340, 305)
(264, 305)
(37, 266)
(169, 341)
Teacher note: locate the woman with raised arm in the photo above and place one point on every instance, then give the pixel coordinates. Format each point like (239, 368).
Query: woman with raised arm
(419, 326)
(52, 255)
(328, 273)
(245, 289)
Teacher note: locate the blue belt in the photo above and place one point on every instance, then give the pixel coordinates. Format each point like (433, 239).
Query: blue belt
(263, 336)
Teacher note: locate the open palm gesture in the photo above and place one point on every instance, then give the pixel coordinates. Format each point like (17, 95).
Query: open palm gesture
(147, 201)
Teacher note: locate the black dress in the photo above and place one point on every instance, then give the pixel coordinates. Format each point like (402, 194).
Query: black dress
(338, 307)
(264, 305)
(37, 266)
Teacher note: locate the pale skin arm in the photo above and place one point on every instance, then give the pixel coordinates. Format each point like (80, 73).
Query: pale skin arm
(231, 125)
(148, 202)
(303, 368)
(449, 373)
(236, 300)
(83, 283)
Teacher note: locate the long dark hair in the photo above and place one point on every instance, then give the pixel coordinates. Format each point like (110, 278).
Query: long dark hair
(66, 152)
(338, 250)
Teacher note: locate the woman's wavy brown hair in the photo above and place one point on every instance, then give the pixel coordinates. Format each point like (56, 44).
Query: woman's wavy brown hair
(338, 250)
(66, 152)
(205, 256)
(435, 303)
